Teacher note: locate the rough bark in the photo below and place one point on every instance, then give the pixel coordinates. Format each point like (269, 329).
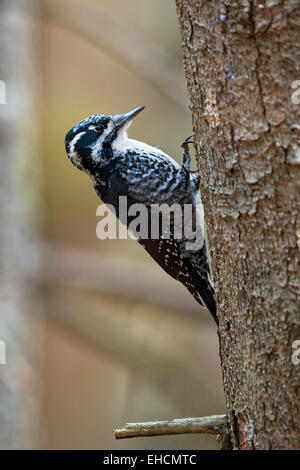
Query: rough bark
(240, 60)
(19, 403)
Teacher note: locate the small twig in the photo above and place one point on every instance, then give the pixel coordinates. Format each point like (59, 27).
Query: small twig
(214, 424)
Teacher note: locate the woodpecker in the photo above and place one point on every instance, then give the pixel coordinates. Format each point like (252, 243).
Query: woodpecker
(120, 166)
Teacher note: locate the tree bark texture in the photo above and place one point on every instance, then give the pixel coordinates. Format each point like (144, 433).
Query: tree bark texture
(19, 256)
(241, 59)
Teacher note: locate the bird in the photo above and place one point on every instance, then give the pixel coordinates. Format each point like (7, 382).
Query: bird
(122, 167)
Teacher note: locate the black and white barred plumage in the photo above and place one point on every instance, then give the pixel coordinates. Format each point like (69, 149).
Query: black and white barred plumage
(119, 166)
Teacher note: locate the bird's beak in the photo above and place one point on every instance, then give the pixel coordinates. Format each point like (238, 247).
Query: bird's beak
(121, 119)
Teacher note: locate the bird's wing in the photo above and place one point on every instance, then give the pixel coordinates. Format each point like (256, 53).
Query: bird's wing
(147, 178)
(193, 275)
(151, 183)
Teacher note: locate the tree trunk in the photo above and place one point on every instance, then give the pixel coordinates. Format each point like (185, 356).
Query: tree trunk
(19, 256)
(241, 59)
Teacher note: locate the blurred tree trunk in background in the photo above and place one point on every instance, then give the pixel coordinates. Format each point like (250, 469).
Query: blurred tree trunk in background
(19, 255)
(241, 59)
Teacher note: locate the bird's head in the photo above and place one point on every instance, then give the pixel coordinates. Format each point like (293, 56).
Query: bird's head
(85, 141)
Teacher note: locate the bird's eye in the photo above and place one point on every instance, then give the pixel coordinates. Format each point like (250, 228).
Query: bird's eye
(99, 129)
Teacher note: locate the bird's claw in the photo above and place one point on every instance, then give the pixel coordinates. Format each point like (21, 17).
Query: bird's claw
(186, 155)
(187, 141)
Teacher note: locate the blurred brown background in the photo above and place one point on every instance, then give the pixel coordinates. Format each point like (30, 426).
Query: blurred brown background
(119, 341)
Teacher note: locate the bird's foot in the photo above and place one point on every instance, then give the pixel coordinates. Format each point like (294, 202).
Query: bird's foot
(186, 158)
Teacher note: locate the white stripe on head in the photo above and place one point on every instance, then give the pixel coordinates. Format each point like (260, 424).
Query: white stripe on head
(96, 151)
(72, 154)
(74, 140)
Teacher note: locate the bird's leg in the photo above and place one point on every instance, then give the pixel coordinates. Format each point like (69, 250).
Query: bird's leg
(186, 158)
